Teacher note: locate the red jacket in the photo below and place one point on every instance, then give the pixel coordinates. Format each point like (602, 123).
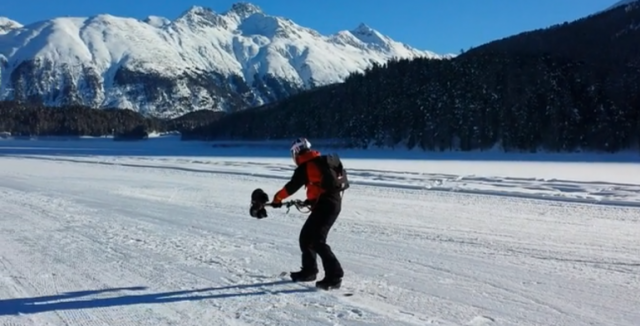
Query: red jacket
(306, 174)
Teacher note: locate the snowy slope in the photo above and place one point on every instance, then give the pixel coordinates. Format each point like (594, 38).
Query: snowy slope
(201, 60)
(131, 237)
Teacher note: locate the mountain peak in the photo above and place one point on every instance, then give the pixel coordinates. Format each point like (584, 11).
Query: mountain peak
(244, 9)
(363, 29)
(369, 35)
(200, 16)
(197, 10)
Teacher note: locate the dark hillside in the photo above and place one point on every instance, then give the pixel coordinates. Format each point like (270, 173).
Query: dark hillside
(597, 39)
(28, 119)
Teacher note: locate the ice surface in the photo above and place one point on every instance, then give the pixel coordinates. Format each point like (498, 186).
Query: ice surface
(96, 232)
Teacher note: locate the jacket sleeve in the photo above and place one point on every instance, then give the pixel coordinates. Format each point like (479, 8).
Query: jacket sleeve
(296, 182)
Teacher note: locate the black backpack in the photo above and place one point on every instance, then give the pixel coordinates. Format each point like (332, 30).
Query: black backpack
(334, 175)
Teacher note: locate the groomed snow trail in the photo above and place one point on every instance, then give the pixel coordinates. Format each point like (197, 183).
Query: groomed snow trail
(93, 244)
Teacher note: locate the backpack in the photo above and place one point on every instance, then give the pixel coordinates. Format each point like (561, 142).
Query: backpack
(334, 176)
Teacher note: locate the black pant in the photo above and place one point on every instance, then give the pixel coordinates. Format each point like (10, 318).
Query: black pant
(313, 238)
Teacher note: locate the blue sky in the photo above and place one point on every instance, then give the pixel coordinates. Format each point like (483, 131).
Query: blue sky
(443, 26)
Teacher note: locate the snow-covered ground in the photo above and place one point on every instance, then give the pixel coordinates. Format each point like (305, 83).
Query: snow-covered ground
(96, 232)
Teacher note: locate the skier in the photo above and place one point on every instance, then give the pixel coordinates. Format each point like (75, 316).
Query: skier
(325, 179)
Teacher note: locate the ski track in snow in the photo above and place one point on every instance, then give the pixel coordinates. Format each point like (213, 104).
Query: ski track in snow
(155, 241)
(599, 192)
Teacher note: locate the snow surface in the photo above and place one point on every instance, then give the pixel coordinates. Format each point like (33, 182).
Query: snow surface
(97, 232)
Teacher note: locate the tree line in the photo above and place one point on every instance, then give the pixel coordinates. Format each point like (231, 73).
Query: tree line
(32, 119)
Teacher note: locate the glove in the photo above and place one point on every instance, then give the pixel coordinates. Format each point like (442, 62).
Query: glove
(277, 201)
(276, 204)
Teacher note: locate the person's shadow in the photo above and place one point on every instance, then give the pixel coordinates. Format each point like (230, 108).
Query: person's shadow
(66, 301)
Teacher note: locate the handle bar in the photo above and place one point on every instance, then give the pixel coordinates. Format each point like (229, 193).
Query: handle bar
(296, 202)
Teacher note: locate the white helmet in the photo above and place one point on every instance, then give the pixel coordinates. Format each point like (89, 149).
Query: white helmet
(299, 145)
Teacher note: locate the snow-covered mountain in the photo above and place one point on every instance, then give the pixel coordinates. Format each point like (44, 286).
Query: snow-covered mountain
(201, 60)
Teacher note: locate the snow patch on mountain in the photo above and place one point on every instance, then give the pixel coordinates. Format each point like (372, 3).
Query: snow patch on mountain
(157, 21)
(6, 25)
(201, 60)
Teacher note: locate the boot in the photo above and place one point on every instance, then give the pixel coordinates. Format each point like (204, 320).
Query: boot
(329, 283)
(303, 276)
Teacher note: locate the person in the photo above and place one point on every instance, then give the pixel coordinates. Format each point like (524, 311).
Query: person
(325, 180)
